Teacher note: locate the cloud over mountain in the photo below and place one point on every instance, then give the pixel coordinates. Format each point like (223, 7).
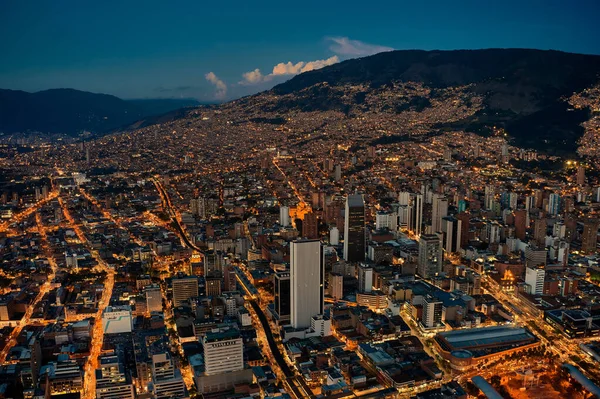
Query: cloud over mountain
(221, 87)
(344, 46)
(286, 69)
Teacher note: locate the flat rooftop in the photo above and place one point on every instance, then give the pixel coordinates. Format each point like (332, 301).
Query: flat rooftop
(478, 337)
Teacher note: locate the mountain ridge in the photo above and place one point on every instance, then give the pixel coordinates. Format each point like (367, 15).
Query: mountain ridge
(72, 111)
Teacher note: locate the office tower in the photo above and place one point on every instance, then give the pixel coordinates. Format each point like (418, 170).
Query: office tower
(453, 233)
(597, 194)
(111, 380)
(282, 295)
(559, 229)
(554, 204)
(338, 173)
(284, 216)
(529, 203)
(336, 285)
(590, 236)
(535, 256)
(581, 175)
(64, 377)
(386, 220)
(310, 226)
(223, 352)
(365, 278)
(167, 380)
(334, 236)
(477, 151)
(184, 288)
(416, 214)
(153, 299)
(539, 231)
(354, 229)
(493, 232)
(404, 198)
(229, 279)
(489, 197)
(213, 286)
(87, 155)
(439, 211)
(534, 278)
(432, 312)
(520, 224)
(306, 281)
(465, 221)
(213, 263)
(430, 255)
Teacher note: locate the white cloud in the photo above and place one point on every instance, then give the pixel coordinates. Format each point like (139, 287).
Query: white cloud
(283, 69)
(221, 87)
(346, 47)
(253, 77)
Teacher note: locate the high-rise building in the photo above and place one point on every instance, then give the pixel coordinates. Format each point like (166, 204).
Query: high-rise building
(535, 256)
(404, 198)
(416, 214)
(334, 236)
(354, 229)
(386, 220)
(465, 225)
(520, 223)
(111, 380)
(589, 240)
(540, 226)
(453, 233)
(223, 352)
(439, 211)
(306, 281)
(432, 312)
(430, 255)
(153, 299)
(167, 380)
(336, 285)
(534, 278)
(365, 278)
(310, 226)
(554, 204)
(282, 295)
(581, 175)
(184, 288)
(284, 216)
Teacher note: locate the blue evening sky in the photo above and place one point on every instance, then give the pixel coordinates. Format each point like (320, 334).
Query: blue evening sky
(201, 49)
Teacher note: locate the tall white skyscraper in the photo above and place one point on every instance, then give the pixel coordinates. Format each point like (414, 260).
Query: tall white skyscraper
(534, 278)
(306, 281)
(404, 198)
(284, 216)
(439, 210)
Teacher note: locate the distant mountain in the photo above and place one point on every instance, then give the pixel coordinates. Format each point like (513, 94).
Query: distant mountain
(72, 111)
(522, 90)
